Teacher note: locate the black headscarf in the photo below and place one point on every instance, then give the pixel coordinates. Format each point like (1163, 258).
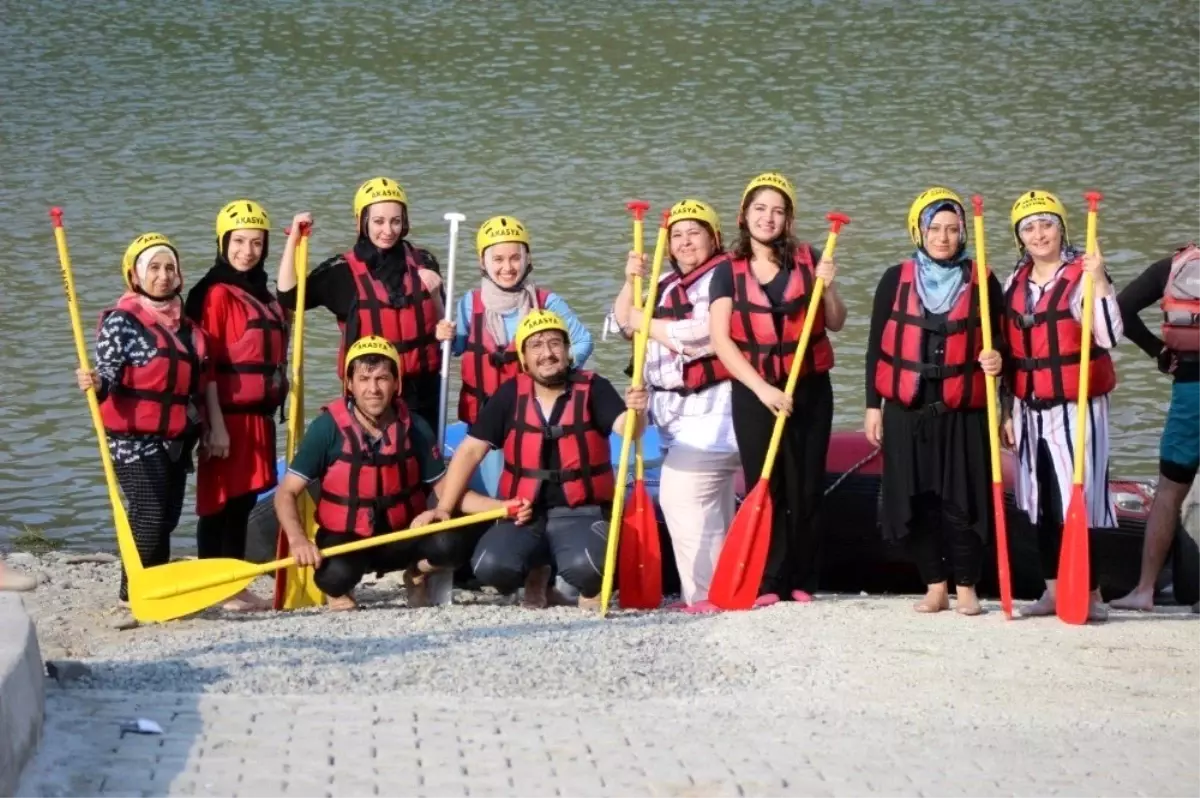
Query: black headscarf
(388, 266)
(253, 282)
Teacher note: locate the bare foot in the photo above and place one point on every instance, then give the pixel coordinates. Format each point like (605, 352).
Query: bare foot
(936, 600)
(417, 587)
(591, 604)
(16, 581)
(1137, 599)
(537, 585)
(344, 603)
(247, 601)
(966, 602)
(1043, 606)
(1097, 611)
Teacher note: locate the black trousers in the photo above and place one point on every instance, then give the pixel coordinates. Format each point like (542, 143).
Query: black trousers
(940, 532)
(153, 488)
(223, 534)
(338, 575)
(797, 478)
(571, 539)
(1050, 520)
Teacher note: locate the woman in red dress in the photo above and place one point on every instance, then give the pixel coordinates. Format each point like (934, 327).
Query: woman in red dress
(247, 334)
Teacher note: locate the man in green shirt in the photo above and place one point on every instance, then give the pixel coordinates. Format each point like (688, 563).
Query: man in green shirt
(377, 464)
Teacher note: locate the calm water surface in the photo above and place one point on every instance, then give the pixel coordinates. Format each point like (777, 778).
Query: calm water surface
(142, 116)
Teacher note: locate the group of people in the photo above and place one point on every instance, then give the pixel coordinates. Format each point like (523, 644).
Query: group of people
(209, 372)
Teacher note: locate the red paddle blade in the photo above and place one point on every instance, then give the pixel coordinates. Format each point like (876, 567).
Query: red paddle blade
(639, 572)
(744, 555)
(1073, 576)
(1003, 575)
(281, 551)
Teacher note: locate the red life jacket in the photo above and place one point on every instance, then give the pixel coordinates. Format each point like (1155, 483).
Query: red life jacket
(1045, 344)
(676, 304)
(585, 472)
(154, 399)
(902, 348)
(1181, 302)
(253, 379)
(485, 364)
(411, 326)
(753, 328)
(368, 480)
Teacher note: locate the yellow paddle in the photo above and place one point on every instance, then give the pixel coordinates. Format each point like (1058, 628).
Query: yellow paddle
(639, 361)
(125, 544)
(182, 588)
(294, 586)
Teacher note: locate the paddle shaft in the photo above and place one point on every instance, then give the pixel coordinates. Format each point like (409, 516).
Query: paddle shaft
(444, 390)
(1085, 344)
(814, 308)
(639, 246)
(296, 403)
(125, 542)
(985, 326)
(639, 361)
(251, 571)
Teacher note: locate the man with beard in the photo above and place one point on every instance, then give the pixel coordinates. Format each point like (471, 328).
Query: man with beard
(374, 460)
(552, 422)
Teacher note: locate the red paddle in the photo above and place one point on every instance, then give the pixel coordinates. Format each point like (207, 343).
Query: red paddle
(639, 570)
(743, 558)
(985, 325)
(1073, 594)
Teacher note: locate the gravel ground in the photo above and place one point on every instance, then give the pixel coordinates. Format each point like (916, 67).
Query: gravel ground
(484, 646)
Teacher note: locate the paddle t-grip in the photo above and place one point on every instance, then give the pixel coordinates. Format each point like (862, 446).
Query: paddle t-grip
(665, 218)
(836, 220)
(305, 229)
(977, 203)
(56, 215)
(1093, 200)
(638, 208)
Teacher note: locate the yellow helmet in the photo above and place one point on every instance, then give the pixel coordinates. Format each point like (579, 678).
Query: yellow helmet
(241, 214)
(377, 189)
(771, 180)
(140, 245)
(696, 211)
(930, 196)
(500, 230)
(538, 321)
(1035, 201)
(371, 345)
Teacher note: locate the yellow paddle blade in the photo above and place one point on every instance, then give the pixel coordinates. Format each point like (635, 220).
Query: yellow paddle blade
(183, 588)
(298, 588)
(639, 362)
(125, 543)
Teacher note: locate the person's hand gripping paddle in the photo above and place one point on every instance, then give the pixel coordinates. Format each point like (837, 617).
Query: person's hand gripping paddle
(985, 325)
(640, 557)
(739, 570)
(616, 524)
(1073, 598)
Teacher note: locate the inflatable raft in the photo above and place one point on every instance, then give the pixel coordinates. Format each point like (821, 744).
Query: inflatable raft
(854, 556)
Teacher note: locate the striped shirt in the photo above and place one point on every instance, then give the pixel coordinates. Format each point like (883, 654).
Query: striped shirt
(1055, 426)
(703, 420)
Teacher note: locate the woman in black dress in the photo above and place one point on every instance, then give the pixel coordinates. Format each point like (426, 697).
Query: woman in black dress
(926, 367)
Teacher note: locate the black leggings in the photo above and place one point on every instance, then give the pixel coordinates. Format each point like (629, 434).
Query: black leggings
(153, 486)
(574, 540)
(941, 532)
(338, 575)
(797, 479)
(223, 534)
(1050, 520)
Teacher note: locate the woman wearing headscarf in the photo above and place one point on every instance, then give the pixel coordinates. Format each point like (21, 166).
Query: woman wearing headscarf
(149, 380)
(690, 399)
(383, 285)
(1043, 333)
(926, 366)
(484, 330)
(247, 337)
(759, 301)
